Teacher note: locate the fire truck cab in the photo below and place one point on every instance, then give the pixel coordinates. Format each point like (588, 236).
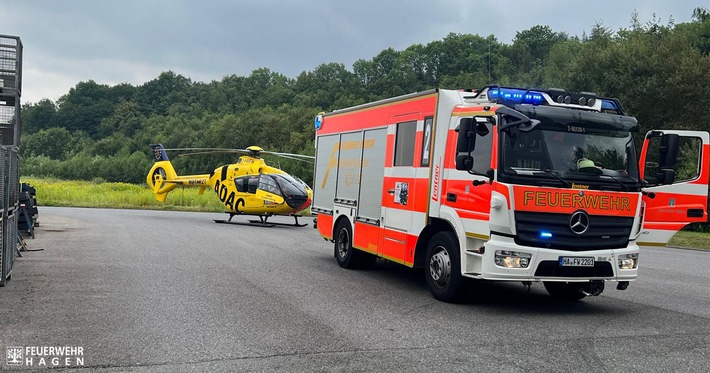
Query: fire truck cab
(507, 184)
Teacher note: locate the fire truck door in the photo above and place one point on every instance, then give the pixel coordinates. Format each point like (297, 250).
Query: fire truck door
(675, 164)
(399, 191)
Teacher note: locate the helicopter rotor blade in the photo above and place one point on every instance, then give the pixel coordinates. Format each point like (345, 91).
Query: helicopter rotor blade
(221, 151)
(290, 155)
(209, 149)
(203, 151)
(308, 159)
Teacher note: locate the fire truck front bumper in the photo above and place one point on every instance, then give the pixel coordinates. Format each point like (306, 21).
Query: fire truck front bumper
(503, 260)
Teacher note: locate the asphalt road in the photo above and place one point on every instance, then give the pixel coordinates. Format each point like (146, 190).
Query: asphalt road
(173, 291)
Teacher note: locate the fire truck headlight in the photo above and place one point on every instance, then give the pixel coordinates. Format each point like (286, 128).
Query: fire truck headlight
(628, 261)
(512, 259)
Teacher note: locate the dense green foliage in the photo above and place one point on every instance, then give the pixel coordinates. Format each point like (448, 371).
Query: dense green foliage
(661, 73)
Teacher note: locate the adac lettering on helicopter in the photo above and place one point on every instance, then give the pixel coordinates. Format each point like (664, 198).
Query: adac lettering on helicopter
(566, 201)
(227, 197)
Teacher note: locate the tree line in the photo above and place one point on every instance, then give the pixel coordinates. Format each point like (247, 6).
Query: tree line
(660, 72)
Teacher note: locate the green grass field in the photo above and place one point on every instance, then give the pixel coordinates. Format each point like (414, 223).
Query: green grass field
(698, 240)
(52, 192)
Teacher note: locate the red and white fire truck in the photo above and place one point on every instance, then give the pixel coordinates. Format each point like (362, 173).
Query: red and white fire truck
(505, 184)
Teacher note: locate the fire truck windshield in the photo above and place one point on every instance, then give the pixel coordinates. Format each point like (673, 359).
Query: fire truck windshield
(604, 158)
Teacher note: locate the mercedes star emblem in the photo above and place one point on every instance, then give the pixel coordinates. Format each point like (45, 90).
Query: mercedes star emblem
(579, 222)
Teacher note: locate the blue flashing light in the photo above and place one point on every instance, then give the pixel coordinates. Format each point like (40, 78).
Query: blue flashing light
(318, 121)
(545, 235)
(609, 105)
(516, 95)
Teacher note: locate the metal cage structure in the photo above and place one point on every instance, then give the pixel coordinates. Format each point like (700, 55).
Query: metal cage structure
(10, 127)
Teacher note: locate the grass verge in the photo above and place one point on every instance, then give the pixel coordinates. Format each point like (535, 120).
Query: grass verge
(698, 240)
(77, 193)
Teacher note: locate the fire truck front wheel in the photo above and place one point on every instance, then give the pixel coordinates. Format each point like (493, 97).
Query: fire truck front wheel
(443, 267)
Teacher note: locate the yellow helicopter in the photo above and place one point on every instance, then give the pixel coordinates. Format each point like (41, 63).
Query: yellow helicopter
(248, 187)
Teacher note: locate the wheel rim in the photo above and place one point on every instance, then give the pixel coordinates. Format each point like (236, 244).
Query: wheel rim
(440, 267)
(343, 243)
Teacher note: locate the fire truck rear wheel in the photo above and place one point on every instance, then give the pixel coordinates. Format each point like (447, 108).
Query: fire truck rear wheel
(443, 267)
(565, 291)
(347, 256)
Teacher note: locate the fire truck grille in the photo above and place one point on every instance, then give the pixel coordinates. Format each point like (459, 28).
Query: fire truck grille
(550, 268)
(539, 229)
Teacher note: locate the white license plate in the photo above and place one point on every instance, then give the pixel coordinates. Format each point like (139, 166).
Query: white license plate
(571, 261)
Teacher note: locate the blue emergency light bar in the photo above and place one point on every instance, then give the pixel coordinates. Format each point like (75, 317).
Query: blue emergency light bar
(609, 105)
(515, 95)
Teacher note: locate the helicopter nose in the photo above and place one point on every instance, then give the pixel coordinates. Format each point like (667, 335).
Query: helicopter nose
(299, 202)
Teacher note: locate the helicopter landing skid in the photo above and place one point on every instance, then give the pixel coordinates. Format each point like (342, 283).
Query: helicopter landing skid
(250, 222)
(262, 222)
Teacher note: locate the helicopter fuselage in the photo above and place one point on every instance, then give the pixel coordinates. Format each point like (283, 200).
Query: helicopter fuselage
(249, 186)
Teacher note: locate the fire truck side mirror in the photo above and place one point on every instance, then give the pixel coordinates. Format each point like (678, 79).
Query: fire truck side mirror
(668, 151)
(467, 138)
(469, 129)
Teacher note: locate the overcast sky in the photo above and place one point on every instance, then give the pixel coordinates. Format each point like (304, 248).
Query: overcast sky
(133, 41)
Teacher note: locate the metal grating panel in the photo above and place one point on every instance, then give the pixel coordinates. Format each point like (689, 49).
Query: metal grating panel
(2, 250)
(13, 179)
(4, 161)
(10, 121)
(10, 62)
(10, 240)
(9, 245)
(9, 107)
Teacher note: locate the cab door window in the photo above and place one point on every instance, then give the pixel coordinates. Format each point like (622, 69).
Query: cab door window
(686, 167)
(404, 143)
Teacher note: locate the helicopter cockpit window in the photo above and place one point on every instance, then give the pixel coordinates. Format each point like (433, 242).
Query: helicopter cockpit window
(268, 184)
(290, 186)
